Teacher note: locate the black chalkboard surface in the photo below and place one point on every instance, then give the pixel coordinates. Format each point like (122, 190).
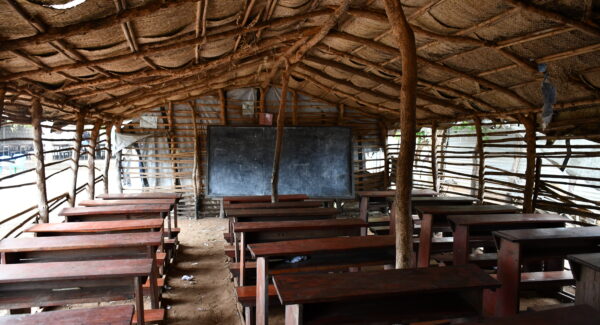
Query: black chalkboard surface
(316, 161)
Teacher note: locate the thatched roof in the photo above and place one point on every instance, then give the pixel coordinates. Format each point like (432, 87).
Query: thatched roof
(121, 57)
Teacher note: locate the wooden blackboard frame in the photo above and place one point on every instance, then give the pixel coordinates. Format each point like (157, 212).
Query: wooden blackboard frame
(349, 194)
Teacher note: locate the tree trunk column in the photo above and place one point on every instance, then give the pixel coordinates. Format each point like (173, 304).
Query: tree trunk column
(434, 167)
(92, 160)
(38, 151)
(75, 157)
(118, 161)
(2, 96)
(279, 137)
(405, 38)
(108, 153)
(529, 123)
(481, 156)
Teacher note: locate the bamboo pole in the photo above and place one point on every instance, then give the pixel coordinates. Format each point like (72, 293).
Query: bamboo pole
(38, 150)
(481, 160)
(119, 160)
(223, 104)
(108, 154)
(92, 160)
(434, 167)
(76, 154)
(405, 38)
(279, 137)
(530, 139)
(196, 171)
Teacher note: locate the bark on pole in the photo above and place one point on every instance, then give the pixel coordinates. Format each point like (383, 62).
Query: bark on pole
(405, 39)
(38, 152)
(75, 157)
(481, 161)
(92, 160)
(2, 95)
(383, 134)
(196, 170)
(118, 161)
(434, 167)
(279, 137)
(529, 123)
(108, 153)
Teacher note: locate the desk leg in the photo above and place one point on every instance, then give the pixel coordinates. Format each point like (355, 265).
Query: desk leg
(154, 296)
(461, 245)
(509, 275)
(175, 215)
(293, 315)
(425, 240)
(139, 299)
(168, 216)
(242, 258)
(262, 291)
(364, 211)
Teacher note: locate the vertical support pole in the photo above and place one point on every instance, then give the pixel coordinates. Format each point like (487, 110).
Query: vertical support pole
(434, 166)
(223, 102)
(263, 100)
(108, 154)
(197, 170)
(92, 160)
(529, 124)
(119, 160)
(38, 151)
(172, 141)
(405, 38)
(537, 184)
(76, 155)
(341, 109)
(279, 137)
(383, 133)
(294, 108)
(481, 160)
(2, 96)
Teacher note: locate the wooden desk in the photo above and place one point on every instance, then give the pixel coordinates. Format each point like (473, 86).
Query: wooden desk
(63, 283)
(575, 315)
(264, 198)
(95, 227)
(147, 196)
(276, 205)
(269, 231)
(390, 296)
(100, 203)
(119, 212)
(586, 270)
(515, 246)
(465, 225)
(336, 253)
(109, 315)
(85, 247)
(436, 215)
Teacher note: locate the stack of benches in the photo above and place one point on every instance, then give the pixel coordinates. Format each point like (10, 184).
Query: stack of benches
(113, 249)
(331, 279)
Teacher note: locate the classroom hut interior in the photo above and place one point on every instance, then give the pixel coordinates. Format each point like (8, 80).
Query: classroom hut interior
(300, 162)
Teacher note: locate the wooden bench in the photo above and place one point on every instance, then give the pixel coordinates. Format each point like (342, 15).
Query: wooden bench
(572, 315)
(247, 298)
(268, 231)
(586, 270)
(147, 196)
(274, 205)
(101, 203)
(109, 315)
(518, 246)
(437, 215)
(86, 247)
(264, 198)
(389, 296)
(96, 227)
(63, 283)
(465, 226)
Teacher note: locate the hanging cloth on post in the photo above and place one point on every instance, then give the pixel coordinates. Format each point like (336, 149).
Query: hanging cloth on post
(549, 96)
(123, 141)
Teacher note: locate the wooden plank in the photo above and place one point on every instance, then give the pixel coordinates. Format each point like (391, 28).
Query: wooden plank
(264, 198)
(97, 226)
(262, 226)
(575, 315)
(113, 315)
(276, 205)
(506, 219)
(292, 212)
(391, 193)
(145, 195)
(327, 287)
(117, 209)
(466, 209)
(96, 203)
(552, 235)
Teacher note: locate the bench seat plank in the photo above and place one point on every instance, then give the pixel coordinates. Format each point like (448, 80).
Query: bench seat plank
(109, 315)
(575, 315)
(262, 226)
(275, 205)
(99, 203)
(97, 226)
(264, 198)
(282, 212)
(145, 195)
(116, 210)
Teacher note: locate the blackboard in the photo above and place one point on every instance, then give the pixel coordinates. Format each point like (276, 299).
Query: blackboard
(316, 161)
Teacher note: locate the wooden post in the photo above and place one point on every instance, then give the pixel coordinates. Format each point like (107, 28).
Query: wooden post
(263, 99)
(197, 169)
(434, 167)
(108, 153)
(481, 159)
(383, 132)
(118, 160)
(223, 102)
(2, 96)
(294, 108)
(529, 123)
(38, 152)
(537, 184)
(279, 137)
(340, 119)
(76, 155)
(173, 141)
(92, 160)
(405, 38)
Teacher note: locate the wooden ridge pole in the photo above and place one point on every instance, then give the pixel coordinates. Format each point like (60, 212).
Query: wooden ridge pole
(92, 160)
(76, 155)
(279, 137)
(405, 38)
(38, 152)
(530, 139)
(108, 154)
(481, 161)
(434, 166)
(119, 160)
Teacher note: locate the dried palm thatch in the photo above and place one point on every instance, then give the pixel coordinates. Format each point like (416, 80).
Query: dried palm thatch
(475, 58)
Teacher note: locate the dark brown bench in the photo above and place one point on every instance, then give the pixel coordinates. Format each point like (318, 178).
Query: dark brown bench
(572, 315)
(113, 315)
